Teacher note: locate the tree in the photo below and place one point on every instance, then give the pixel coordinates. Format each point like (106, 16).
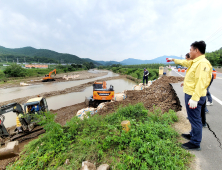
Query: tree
(15, 70)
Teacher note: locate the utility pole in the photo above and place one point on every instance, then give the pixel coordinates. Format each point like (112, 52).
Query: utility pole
(24, 59)
(17, 60)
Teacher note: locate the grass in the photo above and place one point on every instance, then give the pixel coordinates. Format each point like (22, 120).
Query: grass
(151, 142)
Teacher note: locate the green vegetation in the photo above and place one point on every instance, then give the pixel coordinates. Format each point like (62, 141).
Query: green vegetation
(33, 55)
(215, 57)
(14, 70)
(151, 142)
(135, 71)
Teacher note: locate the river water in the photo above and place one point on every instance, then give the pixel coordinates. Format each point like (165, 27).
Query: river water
(56, 102)
(23, 91)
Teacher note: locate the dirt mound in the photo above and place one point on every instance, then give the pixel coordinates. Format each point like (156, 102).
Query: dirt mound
(160, 94)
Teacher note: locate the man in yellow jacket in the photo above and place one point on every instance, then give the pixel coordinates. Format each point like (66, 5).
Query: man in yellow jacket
(196, 81)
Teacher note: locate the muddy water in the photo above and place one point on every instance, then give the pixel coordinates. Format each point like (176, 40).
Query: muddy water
(57, 102)
(18, 92)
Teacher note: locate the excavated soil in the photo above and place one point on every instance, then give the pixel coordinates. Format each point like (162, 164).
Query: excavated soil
(58, 78)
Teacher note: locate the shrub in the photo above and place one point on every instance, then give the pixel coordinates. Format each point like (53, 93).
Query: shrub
(15, 70)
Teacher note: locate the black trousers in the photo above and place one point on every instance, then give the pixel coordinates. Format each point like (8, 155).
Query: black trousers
(145, 78)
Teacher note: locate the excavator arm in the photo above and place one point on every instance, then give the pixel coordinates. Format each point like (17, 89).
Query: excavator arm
(53, 71)
(13, 107)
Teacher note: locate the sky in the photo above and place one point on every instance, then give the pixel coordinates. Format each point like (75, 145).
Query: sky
(111, 29)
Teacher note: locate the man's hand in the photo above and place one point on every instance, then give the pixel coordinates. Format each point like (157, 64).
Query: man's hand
(147, 74)
(170, 59)
(192, 104)
(181, 85)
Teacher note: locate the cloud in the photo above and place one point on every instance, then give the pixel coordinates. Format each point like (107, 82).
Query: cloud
(110, 29)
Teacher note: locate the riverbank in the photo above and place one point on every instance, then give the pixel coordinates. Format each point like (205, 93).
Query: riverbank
(82, 75)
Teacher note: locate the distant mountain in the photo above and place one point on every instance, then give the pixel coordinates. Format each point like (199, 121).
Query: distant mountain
(108, 63)
(32, 52)
(132, 61)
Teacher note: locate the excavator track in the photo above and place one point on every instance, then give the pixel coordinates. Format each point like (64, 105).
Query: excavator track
(25, 136)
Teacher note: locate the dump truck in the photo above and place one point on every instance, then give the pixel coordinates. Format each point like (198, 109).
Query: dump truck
(26, 123)
(48, 76)
(100, 94)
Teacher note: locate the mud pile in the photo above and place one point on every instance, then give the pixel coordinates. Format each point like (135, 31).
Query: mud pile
(160, 94)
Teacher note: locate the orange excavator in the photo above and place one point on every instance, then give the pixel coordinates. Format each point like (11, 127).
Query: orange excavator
(48, 76)
(100, 94)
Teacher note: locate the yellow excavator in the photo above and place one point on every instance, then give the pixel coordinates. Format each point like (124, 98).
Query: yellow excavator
(26, 123)
(100, 94)
(48, 76)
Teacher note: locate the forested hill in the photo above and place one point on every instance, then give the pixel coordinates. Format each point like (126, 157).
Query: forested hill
(12, 54)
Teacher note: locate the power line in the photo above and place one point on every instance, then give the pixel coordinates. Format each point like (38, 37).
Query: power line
(215, 38)
(217, 31)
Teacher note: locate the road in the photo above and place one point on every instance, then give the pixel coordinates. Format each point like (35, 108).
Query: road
(210, 155)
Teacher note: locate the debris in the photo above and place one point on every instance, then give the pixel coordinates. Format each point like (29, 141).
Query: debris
(100, 106)
(119, 96)
(24, 84)
(103, 167)
(88, 166)
(81, 113)
(70, 77)
(67, 162)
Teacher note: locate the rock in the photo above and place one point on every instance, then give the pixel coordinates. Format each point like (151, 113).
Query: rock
(103, 167)
(67, 162)
(88, 166)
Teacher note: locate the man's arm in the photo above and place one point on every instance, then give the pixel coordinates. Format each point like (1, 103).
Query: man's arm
(147, 73)
(201, 80)
(184, 63)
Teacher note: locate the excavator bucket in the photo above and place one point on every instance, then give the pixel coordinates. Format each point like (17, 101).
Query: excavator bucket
(11, 149)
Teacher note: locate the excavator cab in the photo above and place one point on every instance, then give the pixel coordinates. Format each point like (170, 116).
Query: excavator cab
(39, 102)
(100, 94)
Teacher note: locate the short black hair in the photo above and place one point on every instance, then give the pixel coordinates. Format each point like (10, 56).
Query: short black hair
(200, 45)
(188, 55)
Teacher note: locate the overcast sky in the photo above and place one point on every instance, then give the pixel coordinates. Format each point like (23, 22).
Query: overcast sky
(111, 29)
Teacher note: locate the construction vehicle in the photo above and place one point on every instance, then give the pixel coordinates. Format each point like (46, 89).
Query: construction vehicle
(100, 94)
(26, 124)
(48, 76)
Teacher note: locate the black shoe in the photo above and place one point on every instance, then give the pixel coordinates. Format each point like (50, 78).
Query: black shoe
(186, 136)
(190, 146)
(204, 125)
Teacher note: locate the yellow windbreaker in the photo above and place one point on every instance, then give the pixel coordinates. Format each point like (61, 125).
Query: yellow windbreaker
(198, 76)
